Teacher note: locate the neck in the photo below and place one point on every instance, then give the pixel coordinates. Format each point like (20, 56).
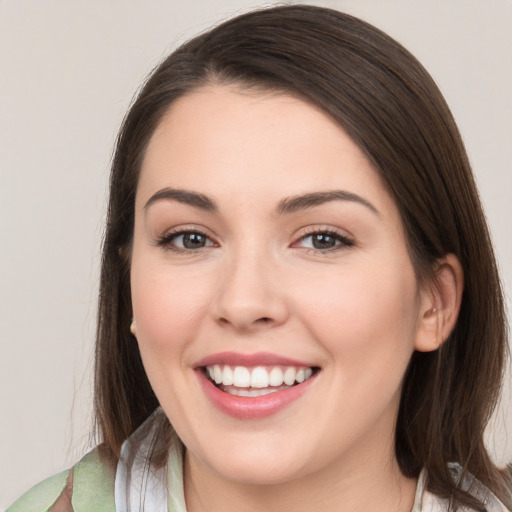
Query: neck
(372, 482)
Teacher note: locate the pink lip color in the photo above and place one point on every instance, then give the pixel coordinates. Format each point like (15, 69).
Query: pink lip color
(247, 408)
(257, 359)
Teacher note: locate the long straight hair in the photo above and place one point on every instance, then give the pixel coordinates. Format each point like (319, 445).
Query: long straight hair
(390, 106)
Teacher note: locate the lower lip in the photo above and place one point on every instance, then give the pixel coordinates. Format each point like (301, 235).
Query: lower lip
(248, 408)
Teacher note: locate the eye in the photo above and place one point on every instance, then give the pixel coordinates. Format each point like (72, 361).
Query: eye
(185, 240)
(324, 240)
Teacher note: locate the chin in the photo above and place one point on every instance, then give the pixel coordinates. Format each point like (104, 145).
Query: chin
(259, 472)
(263, 462)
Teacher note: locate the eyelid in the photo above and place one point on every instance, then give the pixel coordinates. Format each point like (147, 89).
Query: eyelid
(346, 239)
(165, 240)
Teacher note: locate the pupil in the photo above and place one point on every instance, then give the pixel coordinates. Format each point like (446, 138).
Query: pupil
(193, 240)
(322, 241)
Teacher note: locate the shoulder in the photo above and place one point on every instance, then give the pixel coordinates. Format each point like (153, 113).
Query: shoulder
(477, 489)
(433, 503)
(92, 482)
(42, 496)
(429, 502)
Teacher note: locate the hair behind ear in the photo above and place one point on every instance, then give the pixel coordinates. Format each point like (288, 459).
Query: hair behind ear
(451, 386)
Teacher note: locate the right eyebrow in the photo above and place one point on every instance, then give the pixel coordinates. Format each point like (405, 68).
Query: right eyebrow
(183, 196)
(312, 199)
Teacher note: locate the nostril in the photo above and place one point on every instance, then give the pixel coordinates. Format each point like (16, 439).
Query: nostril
(262, 321)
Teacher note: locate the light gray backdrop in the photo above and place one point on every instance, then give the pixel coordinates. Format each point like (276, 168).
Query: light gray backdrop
(67, 73)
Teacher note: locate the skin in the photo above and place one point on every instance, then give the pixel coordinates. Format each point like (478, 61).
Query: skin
(258, 285)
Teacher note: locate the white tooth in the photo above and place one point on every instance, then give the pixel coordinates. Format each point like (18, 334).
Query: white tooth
(276, 376)
(227, 376)
(309, 372)
(210, 372)
(261, 392)
(252, 392)
(259, 377)
(289, 376)
(241, 377)
(217, 374)
(301, 375)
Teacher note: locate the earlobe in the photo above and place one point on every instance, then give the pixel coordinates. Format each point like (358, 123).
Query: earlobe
(440, 305)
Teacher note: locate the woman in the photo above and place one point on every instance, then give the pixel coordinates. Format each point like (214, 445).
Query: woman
(299, 304)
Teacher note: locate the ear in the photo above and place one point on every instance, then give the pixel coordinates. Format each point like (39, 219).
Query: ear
(440, 304)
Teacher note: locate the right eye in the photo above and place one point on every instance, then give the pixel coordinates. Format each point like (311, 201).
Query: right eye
(185, 240)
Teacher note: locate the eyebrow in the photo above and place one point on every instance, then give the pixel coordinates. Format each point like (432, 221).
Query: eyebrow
(285, 206)
(305, 201)
(183, 196)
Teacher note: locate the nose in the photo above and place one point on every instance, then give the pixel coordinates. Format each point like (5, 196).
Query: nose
(250, 295)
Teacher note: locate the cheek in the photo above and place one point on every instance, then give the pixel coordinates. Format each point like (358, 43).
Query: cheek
(364, 316)
(167, 307)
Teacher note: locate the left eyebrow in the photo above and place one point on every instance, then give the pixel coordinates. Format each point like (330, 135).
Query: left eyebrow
(194, 199)
(305, 201)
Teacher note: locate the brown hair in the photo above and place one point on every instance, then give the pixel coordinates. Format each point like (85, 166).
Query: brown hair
(390, 106)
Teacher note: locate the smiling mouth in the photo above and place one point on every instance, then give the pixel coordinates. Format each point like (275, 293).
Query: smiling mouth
(258, 380)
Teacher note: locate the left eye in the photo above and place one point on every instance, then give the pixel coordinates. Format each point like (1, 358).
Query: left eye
(324, 240)
(188, 240)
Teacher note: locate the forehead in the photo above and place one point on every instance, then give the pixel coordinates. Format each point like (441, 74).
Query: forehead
(235, 142)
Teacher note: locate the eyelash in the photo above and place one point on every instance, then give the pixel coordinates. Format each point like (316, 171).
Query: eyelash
(167, 241)
(341, 241)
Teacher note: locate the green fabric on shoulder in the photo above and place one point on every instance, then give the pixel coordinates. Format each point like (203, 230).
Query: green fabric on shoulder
(93, 488)
(93, 485)
(42, 496)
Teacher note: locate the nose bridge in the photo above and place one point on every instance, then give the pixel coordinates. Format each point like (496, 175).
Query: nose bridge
(249, 295)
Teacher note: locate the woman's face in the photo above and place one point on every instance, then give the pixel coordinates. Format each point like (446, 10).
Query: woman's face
(268, 254)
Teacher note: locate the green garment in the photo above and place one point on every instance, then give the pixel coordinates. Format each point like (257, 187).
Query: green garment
(93, 489)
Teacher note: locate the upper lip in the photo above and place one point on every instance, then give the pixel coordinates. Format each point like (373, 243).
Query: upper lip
(249, 360)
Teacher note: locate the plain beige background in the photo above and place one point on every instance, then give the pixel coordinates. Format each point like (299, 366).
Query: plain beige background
(67, 73)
